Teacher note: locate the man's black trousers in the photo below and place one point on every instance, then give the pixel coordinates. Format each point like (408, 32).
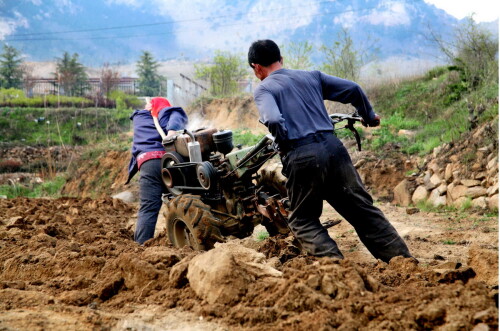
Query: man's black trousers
(321, 169)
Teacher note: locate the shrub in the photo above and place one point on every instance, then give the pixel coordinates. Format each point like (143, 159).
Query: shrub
(245, 137)
(125, 101)
(46, 101)
(50, 188)
(11, 93)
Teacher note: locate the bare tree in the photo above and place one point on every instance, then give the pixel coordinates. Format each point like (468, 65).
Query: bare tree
(344, 59)
(473, 51)
(29, 79)
(297, 55)
(110, 78)
(225, 72)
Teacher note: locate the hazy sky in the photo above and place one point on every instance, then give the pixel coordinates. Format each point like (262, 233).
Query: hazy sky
(484, 10)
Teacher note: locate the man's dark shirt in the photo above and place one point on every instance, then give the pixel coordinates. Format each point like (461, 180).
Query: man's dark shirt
(290, 102)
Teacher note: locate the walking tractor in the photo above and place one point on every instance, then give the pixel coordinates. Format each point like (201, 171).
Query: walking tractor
(216, 190)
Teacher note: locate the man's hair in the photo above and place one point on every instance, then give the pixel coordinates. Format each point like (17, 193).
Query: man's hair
(263, 52)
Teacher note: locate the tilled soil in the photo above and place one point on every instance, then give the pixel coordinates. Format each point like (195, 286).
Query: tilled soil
(71, 264)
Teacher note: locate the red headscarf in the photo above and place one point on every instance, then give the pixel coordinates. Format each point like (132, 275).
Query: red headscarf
(157, 104)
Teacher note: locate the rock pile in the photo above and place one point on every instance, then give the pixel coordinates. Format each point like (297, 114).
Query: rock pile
(456, 175)
(29, 158)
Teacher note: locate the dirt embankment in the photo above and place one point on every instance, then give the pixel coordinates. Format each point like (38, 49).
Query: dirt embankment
(101, 176)
(230, 113)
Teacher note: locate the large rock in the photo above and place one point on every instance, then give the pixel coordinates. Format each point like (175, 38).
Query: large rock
(493, 163)
(223, 274)
(442, 189)
(493, 189)
(434, 167)
(436, 199)
(481, 202)
(470, 182)
(448, 172)
(493, 202)
(476, 191)
(420, 194)
(457, 191)
(402, 194)
(431, 182)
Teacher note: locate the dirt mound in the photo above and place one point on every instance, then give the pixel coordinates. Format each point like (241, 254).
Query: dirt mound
(100, 176)
(72, 263)
(227, 113)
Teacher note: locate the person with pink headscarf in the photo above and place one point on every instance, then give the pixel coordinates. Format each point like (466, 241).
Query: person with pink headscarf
(147, 151)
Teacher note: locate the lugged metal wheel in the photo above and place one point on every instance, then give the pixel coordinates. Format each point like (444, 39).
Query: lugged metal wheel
(191, 223)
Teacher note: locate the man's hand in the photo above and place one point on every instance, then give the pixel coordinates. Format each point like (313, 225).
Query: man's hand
(373, 123)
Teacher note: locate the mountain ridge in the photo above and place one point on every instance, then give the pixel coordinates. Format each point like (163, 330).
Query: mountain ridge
(116, 31)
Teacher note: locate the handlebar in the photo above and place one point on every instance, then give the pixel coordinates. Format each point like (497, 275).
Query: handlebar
(351, 119)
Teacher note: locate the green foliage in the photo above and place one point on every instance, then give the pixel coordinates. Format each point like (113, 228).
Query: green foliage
(261, 236)
(438, 108)
(474, 53)
(342, 59)
(11, 72)
(223, 74)
(149, 78)
(50, 188)
(125, 101)
(467, 204)
(11, 93)
(297, 55)
(16, 98)
(449, 242)
(62, 126)
(71, 75)
(245, 137)
(454, 92)
(436, 72)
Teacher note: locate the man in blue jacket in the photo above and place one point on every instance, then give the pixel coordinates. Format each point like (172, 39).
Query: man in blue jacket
(147, 151)
(316, 164)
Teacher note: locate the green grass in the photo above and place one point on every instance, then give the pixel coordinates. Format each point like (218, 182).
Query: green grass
(449, 242)
(245, 137)
(467, 204)
(434, 107)
(261, 235)
(46, 189)
(72, 126)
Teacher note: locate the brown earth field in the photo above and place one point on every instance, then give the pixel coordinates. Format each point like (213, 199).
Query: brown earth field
(71, 264)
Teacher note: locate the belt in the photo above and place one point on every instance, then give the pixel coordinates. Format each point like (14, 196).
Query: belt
(287, 146)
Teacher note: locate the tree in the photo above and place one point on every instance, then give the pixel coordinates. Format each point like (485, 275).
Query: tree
(149, 79)
(11, 72)
(29, 80)
(297, 55)
(342, 59)
(109, 79)
(473, 52)
(70, 75)
(224, 74)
